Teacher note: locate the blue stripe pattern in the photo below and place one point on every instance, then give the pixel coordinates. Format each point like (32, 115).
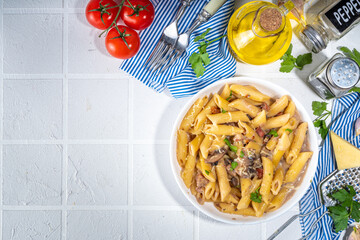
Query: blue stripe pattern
(345, 111)
(180, 79)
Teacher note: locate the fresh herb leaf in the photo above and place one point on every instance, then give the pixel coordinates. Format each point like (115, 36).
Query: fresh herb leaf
(289, 62)
(346, 207)
(354, 54)
(242, 154)
(303, 60)
(319, 109)
(233, 165)
(256, 196)
(274, 133)
(202, 36)
(201, 59)
(232, 147)
(207, 172)
(223, 111)
(288, 130)
(227, 99)
(355, 89)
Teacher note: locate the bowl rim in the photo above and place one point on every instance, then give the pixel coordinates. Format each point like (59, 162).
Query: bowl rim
(302, 188)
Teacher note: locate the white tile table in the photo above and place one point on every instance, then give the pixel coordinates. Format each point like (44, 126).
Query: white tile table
(84, 146)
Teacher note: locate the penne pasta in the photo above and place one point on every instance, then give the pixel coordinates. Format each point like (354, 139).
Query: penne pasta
(281, 147)
(206, 170)
(226, 92)
(297, 143)
(222, 103)
(189, 170)
(224, 184)
(255, 146)
(191, 114)
(293, 173)
(201, 117)
(271, 144)
(182, 147)
(245, 196)
(267, 179)
(276, 122)
(278, 106)
(217, 143)
(289, 126)
(205, 145)
(228, 117)
(249, 92)
(230, 208)
(250, 133)
(222, 130)
(260, 208)
(209, 190)
(277, 181)
(291, 108)
(259, 120)
(279, 199)
(245, 106)
(194, 145)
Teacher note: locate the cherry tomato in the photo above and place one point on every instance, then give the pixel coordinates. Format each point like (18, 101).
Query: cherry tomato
(139, 14)
(122, 45)
(105, 9)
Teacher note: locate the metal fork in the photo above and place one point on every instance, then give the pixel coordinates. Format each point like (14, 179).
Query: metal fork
(168, 37)
(175, 51)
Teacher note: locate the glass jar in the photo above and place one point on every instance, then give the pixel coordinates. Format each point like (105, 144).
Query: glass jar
(331, 24)
(259, 32)
(335, 77)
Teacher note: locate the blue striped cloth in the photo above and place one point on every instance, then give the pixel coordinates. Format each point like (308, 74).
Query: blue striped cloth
(180, 79)
(344, 114)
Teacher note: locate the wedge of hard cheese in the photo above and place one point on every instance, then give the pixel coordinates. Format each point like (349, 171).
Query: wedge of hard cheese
(346, 154)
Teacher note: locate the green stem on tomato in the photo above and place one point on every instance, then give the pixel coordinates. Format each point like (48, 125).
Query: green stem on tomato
(114, 23)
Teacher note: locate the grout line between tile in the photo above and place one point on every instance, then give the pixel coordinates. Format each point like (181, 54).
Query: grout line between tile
(1, 114)
(73, 76)
(65, 122)
(130, 159)
(263, 231)
(8, 11)
(83, 141)
(196, 225)
(99, 207)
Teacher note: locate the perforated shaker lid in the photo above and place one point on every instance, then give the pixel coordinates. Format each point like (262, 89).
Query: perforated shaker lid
(343, 73)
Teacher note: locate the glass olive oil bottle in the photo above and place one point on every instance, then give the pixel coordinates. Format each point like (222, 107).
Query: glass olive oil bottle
(259, 32)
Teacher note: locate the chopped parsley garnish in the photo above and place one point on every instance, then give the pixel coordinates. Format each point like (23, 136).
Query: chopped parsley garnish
(232, 147)
(229, 96)
(233, 165)
(345, 208)
(256, 196)
(223, 111)
(242, 154)
(207, 172)
(288, 130)
(274, 133)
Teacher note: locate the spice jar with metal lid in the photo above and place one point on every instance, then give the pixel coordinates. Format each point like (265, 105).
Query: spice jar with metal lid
(335, 77)
(331, 24)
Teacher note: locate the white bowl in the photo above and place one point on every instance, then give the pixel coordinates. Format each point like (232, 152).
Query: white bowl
(272, 90)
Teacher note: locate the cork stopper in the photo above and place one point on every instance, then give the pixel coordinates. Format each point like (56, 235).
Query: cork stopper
(270, 19)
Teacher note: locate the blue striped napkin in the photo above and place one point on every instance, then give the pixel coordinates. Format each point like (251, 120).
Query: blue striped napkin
(180, 78)
(344, 114)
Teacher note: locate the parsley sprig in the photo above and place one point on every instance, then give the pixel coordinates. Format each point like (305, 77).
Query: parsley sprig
(319, 109)
(274, 133)
(354, 54)
(201, 59)
(289, 61)
(345, 208)
(256, 196)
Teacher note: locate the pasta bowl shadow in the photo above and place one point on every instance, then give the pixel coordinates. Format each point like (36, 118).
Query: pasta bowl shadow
(273, 91)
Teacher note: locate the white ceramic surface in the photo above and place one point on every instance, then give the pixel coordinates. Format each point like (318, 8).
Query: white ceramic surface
(272, 90)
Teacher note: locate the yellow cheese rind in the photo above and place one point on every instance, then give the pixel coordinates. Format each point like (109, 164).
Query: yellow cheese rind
(346, 154)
